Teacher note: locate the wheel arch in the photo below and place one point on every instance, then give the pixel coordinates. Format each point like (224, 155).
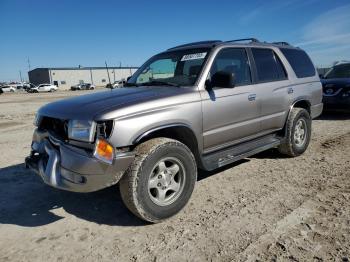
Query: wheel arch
(302, 103)
(179, 131)
(299, 103)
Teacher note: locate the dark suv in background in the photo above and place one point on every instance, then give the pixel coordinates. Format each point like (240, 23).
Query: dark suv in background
(336, 88)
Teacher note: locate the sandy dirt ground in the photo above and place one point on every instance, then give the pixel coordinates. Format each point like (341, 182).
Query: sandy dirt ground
(264, 208)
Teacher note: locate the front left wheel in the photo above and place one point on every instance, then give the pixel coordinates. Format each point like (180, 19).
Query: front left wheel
(160, 181)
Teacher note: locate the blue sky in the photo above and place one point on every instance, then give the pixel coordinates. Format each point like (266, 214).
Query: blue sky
(71, 33)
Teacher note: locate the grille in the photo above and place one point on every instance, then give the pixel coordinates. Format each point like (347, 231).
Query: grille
(56, 127)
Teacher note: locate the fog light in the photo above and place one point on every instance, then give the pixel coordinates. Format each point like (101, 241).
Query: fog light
(104, 151)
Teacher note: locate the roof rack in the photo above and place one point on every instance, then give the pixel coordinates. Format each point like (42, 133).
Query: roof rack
(254, 40)
(197, 43)
(280, 43)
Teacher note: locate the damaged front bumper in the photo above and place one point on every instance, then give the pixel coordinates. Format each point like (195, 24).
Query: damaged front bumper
(71, 168)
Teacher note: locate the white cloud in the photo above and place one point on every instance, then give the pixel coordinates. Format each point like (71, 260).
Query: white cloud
(327, 37)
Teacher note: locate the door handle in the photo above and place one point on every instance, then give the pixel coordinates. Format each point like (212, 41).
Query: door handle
(252, 97)
(290, 90)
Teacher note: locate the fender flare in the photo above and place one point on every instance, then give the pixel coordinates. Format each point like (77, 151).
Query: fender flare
(152, 130)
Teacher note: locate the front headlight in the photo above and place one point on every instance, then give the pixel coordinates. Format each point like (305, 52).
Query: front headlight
(82, 130)
(37, 120)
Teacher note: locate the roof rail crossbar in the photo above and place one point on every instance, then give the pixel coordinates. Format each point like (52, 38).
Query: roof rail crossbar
(280, 43)
(244, 39)
(197, 43)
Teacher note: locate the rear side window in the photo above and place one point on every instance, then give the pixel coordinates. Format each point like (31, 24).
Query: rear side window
(300, 62)
(268, 65)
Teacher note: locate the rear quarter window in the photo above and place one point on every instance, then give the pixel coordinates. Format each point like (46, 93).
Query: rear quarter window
(300, 62)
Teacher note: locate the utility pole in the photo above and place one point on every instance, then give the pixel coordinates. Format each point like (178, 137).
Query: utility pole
(20, 76)
(28, 64)
(109, 79)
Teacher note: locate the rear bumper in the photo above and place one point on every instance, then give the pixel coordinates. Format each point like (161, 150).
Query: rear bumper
(316, 110)
(69, 168)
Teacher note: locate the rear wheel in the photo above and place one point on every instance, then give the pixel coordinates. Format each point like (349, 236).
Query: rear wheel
(160, 181)
(298, 133)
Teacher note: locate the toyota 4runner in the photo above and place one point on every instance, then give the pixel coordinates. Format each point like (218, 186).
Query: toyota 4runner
(199, 105)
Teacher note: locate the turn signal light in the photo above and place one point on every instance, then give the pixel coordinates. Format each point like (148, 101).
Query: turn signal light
(104, 151)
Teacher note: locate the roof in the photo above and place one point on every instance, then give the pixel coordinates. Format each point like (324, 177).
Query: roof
(84, 68)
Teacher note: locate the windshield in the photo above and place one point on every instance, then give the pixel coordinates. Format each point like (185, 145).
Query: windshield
(173, 68)
(339, 71)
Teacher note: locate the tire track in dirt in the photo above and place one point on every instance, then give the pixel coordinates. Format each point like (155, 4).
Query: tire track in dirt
(272, 245)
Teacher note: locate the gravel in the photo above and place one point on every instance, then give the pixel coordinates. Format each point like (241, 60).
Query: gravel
(266, 207)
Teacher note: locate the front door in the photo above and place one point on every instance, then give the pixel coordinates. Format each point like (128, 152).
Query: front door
(230, 115)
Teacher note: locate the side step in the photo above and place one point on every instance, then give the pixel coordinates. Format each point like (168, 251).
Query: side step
(237, 152)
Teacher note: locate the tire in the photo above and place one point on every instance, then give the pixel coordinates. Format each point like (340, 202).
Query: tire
(52, 90)
(147, 178)
(298, 133)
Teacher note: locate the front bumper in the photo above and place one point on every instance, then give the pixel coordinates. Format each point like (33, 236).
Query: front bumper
(70, 168)
(337, 102)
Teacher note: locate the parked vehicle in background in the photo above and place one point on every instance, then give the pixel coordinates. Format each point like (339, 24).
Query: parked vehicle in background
(200, 105)
(27, 86)
(42, 88)
(1, 90)
(119, 83)
(336, 88)
(83, 86)
(9, 89)
(116, 84)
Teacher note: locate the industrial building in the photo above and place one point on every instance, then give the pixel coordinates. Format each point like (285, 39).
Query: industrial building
(65, 77)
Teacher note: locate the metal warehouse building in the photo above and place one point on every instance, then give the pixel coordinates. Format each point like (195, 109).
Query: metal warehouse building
(65, 77)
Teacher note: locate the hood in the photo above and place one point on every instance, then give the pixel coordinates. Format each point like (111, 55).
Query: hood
(86, 107)
(336, 82)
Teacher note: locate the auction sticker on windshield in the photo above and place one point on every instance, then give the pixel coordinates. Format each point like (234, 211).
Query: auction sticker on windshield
(193, 56)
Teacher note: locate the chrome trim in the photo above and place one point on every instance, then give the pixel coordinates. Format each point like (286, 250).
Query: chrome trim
(333, 94)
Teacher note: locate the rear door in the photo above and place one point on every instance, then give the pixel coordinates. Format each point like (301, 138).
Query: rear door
(230, 115)
(275, 92)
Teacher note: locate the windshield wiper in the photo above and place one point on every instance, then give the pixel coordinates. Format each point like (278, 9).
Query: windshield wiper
(156, 82)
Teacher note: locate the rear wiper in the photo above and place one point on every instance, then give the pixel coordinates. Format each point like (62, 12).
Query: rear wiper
(156, 82)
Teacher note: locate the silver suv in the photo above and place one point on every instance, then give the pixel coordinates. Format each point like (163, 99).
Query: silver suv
(200, 105)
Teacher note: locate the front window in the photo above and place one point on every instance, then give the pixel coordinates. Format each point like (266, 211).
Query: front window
(173, 68)
(233, 61)
(339, 71)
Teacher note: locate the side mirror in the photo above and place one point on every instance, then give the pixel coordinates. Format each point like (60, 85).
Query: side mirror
(221, 79)
(321, 76)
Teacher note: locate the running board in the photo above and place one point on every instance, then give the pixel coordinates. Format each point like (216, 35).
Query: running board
(237, 152)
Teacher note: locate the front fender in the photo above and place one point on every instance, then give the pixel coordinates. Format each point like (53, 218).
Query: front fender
(130, 129)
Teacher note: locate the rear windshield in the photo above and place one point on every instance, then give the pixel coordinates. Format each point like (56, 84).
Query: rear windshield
(300, 62)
